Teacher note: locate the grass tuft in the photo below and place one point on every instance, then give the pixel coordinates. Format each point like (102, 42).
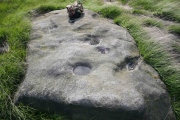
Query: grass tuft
(155, 56)
(138, 12)
(3, 36)
(47, 8)
(110, 11)
(124, 1)
(143, 4)
(177, 47)
(176, 50)
(175, 29)
(165, 9)
(152, 23)
(168, 15)
(15, 29)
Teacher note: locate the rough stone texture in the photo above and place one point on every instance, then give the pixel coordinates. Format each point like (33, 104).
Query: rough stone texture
(90, 70)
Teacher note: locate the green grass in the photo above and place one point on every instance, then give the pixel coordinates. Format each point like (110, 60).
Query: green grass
(152, 22)
(177, 48)
(168, 15)
(15, 30)
(143, 4)
(110, 11)
(166, 9)
(3, 36)
(155, 56)
(124, 1)
(47, 8)
(175, 29)
(138, 12)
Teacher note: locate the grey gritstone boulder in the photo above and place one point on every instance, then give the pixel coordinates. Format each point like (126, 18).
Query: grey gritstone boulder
(90, 69)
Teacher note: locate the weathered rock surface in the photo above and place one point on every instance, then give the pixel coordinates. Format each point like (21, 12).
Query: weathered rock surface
(90, 70)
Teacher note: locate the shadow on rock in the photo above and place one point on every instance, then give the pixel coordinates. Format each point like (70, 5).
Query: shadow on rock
(73, 20)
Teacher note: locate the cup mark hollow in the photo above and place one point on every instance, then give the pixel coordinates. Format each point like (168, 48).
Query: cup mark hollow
(103, 50)
(130, 66)
(82, 69)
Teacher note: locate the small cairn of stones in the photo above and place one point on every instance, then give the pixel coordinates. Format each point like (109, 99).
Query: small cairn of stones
(74, 11)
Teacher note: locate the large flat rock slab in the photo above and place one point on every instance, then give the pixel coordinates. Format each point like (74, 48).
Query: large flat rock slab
(90, 69)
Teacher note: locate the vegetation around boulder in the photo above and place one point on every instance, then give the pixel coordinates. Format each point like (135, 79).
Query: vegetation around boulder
(15, 30)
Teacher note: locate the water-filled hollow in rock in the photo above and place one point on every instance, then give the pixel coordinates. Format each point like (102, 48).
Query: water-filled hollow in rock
(131, 66)
(81, 70)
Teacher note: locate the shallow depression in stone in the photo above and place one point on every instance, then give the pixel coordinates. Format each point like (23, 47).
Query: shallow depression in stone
(103, 50)
(81, 70)
(94, 42)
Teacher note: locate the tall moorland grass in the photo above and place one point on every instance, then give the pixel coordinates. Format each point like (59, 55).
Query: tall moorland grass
(152, 23)
(165, 9)
(15, 30)
(152, 53)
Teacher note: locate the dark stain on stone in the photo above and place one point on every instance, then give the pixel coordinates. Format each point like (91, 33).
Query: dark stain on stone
(73, 20)
(95, 15)
(83, 28)
(120, 66)
(103, 50)
(35, 36)
(55, 72)
(86, 39)
(102, 31)
(129, 63)
(52, 25)
(94, 42)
